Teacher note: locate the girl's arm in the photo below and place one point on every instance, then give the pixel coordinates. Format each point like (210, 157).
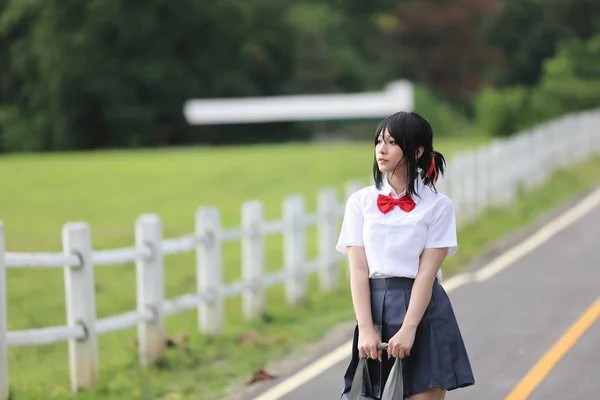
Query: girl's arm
(359, 286)
(441, 242)
(351, 243)
(361, 299)
(430, 262)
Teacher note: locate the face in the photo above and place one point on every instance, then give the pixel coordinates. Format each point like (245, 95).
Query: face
(388, 154)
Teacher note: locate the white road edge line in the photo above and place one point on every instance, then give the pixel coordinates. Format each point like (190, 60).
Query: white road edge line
(484, 273)
(540, 237)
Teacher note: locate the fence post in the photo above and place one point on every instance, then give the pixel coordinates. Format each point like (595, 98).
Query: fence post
(482, 187)
(497, 173)
(294, 248)
(81, 305)
(594, 137)
(4, 385)
(539, 152)
(449, 185)
(500, 173)
(209, 270)
(253, 259)
(470, 176)
(327, 230)
(150, 288)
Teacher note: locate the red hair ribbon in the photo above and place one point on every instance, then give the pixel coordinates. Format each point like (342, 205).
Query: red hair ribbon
(432, 169)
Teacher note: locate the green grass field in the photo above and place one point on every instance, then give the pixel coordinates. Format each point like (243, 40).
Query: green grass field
(110, 189)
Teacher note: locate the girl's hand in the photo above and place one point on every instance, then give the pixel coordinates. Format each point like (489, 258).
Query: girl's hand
(368, 339)
(400, 344)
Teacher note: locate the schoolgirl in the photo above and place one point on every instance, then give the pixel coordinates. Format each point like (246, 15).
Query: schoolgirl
(396, 234)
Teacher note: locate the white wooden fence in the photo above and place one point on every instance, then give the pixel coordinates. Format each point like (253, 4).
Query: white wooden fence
(478, 179)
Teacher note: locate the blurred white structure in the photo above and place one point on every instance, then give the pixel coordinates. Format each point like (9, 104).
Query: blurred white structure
(397, 96)
(476, 180)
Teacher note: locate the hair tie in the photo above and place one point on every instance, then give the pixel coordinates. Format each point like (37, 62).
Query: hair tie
(432, 168)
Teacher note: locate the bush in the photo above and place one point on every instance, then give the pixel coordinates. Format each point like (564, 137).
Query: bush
(443, 117)
(503, 112)
(571, 80)
(570, 83)
(555, 98)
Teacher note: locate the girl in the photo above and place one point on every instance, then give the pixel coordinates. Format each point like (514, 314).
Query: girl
(396, 234)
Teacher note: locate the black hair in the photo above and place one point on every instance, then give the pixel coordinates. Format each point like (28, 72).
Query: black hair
(411, 131)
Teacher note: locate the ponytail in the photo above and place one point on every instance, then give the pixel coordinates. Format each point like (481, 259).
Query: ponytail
(432, 166)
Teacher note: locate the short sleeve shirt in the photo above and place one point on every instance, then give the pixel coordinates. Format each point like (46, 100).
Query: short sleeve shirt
(394, 242)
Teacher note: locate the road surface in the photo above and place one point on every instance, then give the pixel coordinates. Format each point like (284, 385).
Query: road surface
(521, 326)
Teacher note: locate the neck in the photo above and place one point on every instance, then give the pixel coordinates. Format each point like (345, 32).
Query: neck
(397, 182)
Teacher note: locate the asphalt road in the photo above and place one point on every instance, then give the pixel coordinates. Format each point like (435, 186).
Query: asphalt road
(512, 320)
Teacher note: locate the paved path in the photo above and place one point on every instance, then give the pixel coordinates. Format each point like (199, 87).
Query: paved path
(512, 320)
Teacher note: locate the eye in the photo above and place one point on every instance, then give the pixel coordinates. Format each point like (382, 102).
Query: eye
(378, 141)
(392, 142)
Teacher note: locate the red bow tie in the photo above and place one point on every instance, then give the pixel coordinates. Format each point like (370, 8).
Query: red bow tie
(387, 203)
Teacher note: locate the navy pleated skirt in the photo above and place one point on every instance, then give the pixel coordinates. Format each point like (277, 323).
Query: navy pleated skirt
(438, 358)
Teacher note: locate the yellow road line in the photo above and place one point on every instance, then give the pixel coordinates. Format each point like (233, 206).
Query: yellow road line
(543, 367)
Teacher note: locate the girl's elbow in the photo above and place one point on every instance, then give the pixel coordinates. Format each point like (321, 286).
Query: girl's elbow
(427, 275)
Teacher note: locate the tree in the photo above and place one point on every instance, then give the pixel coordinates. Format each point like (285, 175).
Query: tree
(104, 73)
(325, 58)
(527, 33)
(440, 43)
(570, 80)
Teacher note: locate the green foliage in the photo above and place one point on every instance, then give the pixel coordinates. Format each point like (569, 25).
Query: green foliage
(502, 112)
(98, 74)
(529, 32)
(570, 83)
(571, 80)
(102, 73)
(325, 59)
(445, 119)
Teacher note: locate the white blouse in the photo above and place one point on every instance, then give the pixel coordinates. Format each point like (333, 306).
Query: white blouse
(394, 241)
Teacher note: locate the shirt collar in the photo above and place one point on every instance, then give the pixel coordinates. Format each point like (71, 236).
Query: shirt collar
(387, 189)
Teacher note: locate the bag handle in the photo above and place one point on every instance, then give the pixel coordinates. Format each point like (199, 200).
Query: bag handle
(394, 386)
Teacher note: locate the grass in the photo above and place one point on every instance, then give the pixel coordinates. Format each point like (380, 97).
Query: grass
(110, 189)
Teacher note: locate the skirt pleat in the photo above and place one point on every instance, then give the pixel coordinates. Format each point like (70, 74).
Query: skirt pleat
(438, 357)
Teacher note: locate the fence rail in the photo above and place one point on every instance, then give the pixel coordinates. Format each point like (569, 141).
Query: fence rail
(476, 180)
(398, 95)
